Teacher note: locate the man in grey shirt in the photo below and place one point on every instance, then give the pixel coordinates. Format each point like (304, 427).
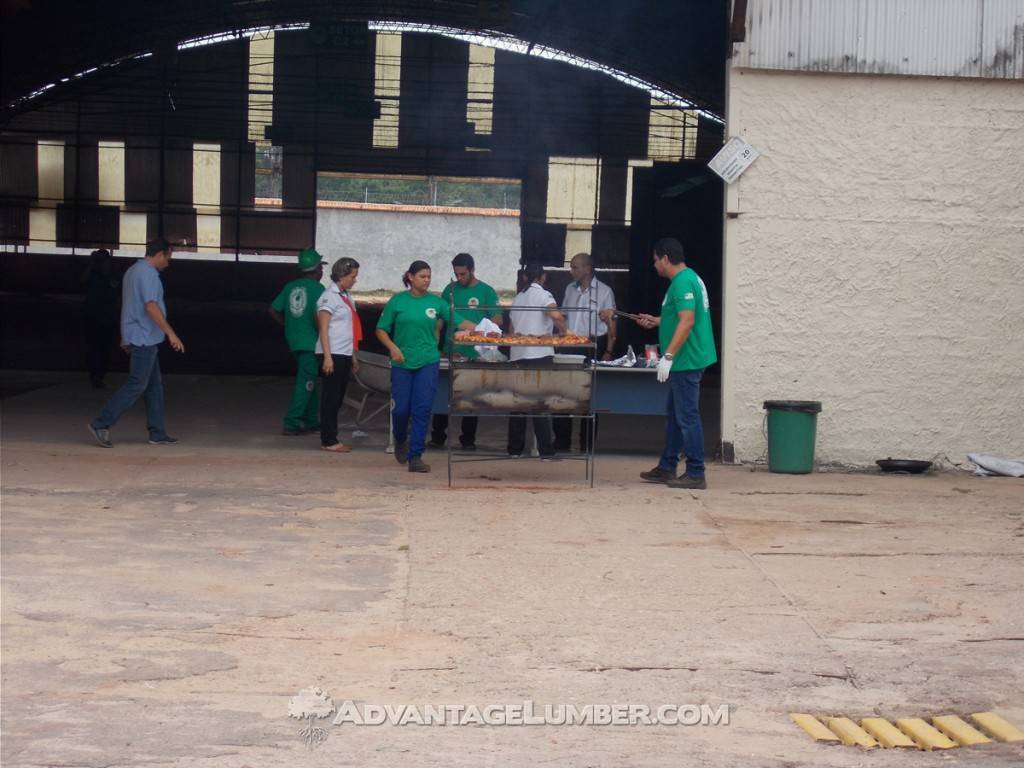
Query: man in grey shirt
(589, 309)
(143, 327)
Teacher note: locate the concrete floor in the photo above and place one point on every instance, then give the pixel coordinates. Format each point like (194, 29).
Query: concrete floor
(161, 605)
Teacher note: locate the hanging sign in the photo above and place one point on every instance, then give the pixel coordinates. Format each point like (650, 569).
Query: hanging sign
(733, 159)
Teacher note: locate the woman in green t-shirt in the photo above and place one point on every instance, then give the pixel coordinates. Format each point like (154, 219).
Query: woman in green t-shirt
(410, 327)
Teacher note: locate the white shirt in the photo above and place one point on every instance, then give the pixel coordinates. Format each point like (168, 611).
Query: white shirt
(339, 329)
(598, 297)
(532, 322)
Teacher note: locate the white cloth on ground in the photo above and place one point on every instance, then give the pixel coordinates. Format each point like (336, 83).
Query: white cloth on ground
(988, 464)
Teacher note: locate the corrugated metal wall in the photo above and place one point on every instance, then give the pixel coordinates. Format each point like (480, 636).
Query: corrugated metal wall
(954, 38)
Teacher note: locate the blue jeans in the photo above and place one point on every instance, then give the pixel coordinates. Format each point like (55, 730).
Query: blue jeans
(143, 379)
(683, 431)
(412, 394)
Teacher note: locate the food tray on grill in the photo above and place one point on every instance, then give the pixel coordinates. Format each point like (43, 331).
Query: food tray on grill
(537, 341)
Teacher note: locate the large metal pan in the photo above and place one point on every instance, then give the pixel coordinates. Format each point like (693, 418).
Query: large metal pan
(910, 466)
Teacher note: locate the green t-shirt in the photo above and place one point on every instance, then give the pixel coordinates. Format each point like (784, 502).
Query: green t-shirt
(297, 302)
(480, 295)
(411, 322)
(687, 292)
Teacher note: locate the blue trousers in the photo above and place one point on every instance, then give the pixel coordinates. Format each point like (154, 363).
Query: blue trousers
(412, 395)
(684, 433)
(143, 379)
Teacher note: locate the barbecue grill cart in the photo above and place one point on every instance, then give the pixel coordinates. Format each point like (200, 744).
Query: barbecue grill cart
(563, 386)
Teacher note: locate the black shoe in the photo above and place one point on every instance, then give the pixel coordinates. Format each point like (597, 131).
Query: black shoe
(437, 446)
(550, 457)
(689, 483)
(293, 432)
(402, 452)
(102, 436)
(658, 475)
(468, 446)
(416, 465)
(165, 440)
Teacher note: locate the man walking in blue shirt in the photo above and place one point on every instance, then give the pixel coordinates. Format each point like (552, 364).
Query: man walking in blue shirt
(143, 327)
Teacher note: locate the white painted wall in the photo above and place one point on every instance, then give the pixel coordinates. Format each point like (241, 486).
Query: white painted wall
(877, 263)
(386, 242)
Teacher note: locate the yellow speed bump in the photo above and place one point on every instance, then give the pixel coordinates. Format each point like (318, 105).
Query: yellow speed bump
(959, 731)
(813, 727)
(888, 735)
(996, 727)
(850, 733)
(923, 734)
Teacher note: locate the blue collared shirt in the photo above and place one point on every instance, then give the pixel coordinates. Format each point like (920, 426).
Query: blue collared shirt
(141, 285)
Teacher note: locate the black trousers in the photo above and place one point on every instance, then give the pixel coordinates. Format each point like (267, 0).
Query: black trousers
(562, 425)
(439, 429)
(332, 395)
(517, 435)
(99, 340)
(541, 424)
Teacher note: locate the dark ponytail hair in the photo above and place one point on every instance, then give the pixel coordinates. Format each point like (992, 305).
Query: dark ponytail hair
(529, 274)
(416, 266)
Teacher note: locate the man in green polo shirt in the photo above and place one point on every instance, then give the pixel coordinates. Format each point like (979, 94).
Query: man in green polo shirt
(688, 347)
(295, 309)
(467, 293)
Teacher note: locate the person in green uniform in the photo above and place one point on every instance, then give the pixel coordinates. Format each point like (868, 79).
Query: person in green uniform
(295, 309)
(467, 293)
(688, 347)
(409, 327)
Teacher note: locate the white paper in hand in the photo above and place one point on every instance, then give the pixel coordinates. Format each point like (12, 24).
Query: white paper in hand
(488, 352)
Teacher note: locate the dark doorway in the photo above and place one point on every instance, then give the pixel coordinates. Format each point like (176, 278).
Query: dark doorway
(682, 200)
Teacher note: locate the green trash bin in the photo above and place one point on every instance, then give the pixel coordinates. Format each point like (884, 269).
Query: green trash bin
(792, 428)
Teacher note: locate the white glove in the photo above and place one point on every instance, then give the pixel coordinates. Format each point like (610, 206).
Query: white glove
(664, 368)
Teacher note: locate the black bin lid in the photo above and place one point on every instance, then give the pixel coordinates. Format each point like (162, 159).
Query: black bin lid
(800, 406)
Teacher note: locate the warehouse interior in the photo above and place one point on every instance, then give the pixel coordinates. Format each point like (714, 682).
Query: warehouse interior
(233, 597)
(146, 120)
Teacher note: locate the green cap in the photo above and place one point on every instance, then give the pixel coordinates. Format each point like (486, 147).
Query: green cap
(309, 259)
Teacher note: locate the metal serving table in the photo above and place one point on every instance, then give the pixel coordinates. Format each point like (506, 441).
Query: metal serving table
(536, 388)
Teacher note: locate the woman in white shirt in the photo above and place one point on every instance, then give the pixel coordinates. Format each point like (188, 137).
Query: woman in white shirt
(340, 333)
(534, 313)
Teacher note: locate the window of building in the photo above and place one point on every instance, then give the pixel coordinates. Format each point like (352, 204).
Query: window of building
(480, 90)
(111, 173)
(671, 132)
(453, 192)
(261, 84)
(268, 173)
(50, 172)
(574, 192)
(206, 160)
(387, 88)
